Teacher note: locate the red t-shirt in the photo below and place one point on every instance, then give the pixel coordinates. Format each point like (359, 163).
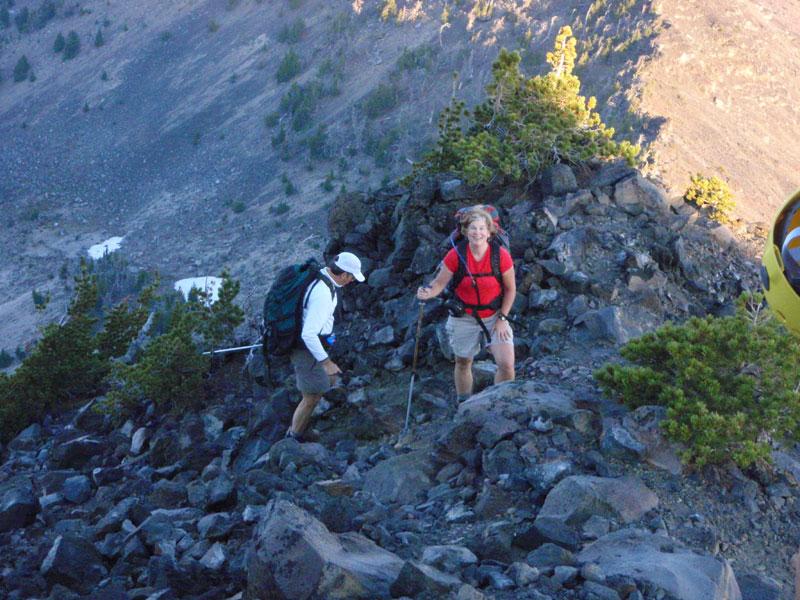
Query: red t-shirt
(488, 287)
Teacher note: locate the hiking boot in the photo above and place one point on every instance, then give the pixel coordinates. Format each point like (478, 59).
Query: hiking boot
(300, 438)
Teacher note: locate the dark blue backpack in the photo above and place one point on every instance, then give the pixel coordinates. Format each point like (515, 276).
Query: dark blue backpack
(283, 306)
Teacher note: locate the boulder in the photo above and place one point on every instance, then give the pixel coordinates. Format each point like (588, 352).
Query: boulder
(417, 578)
(635, 193)
(558, 180)
(18, 507)
(515, 400)
(570, 248)
(74, 454)
(609, 324)
(401, 478)
(617, 442)
(294, 557)
(575, 499)
(448, 558)
(27, 439)
(74, 562)
(77, 489)
(661, 562)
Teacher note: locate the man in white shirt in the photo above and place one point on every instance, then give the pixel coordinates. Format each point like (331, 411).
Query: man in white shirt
(314, 370)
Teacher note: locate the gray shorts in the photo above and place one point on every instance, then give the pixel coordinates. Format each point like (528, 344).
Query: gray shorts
(467, 337)
(310, 376)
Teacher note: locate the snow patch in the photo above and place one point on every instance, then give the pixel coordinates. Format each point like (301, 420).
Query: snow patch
(111, 245)
(209, 285)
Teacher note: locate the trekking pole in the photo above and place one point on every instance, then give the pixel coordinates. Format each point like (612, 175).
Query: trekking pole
(413, 367)
(229, 350)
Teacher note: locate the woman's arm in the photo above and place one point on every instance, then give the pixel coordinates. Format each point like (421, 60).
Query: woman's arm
(435, 288)
(509, 291)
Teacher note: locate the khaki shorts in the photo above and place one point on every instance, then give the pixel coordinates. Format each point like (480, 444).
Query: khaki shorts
(467, 337)
(310, 376)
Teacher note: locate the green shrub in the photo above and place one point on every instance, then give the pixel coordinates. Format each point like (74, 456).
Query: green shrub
(524, 126)
(327, 185)
(317, 142)
(483, 10)
(418, 58)
(712, 193)
(730, 384)
(280, 208)
(73, 361)
(72, 47)
(272, 119)
(291, 34)
(21, 19)
(21, 69)
(289, 67)
(389, 10)
(301, 101)
(6, 360)
(165, 36)
(169, 373)
(5, 18)
(381, 100)
(278, 139)
(238, 207)
(59, 43)
(62, 368)
(213, 26)
(99, 40)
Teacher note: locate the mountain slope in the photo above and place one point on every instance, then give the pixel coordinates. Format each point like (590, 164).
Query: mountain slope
(176, 133)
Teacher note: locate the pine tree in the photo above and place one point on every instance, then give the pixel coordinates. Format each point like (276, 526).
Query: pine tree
(21, 69)
(98, 39)
(73, 45)
(59, 44)
(524, 126)
(5, 18)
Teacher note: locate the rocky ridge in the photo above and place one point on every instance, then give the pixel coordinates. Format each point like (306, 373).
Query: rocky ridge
(537, 488)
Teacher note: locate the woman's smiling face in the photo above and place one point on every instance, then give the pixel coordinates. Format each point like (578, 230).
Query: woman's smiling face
(478, 231)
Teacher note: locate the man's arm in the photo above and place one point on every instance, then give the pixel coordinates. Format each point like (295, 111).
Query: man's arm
(318, 314)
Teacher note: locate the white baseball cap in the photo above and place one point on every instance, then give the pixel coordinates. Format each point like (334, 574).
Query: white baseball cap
(349, 263)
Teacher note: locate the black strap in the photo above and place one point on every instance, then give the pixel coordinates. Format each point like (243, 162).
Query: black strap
(327, 282)
(461, 273)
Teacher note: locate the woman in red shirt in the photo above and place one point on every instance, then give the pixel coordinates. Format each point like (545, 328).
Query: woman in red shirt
(481, 293)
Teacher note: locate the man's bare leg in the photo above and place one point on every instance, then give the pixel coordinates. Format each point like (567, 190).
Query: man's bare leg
(302, 414)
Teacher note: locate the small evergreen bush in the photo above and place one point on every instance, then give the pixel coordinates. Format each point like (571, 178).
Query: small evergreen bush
(712, 193)
(5, 18)
(21, 69)
(59, 43)
(730, 384)
(291, 34)
(389, 10)
(21, 20)
(381, 100)
(72, 47)
(6, 360)
(289, 67)
(98, 39)
(318, 142)
(213, 26)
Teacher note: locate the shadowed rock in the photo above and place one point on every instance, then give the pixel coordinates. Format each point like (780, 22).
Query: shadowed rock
(294, 557)
(663, 563)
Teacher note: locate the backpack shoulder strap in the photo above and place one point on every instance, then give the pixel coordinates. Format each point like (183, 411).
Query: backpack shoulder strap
(461, 270)
(314, 282)
(495, 260)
